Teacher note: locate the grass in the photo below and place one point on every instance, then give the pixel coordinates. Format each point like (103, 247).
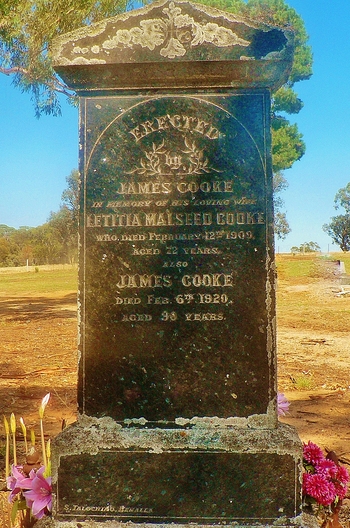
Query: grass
(289, 266)
(301, 266)
(303, 382)
(306, 301)
(45, 281)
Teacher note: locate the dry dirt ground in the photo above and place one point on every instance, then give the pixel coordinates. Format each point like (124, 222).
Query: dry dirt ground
(38, 355)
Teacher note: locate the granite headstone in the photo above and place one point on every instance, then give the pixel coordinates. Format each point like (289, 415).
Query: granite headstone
(177, 371)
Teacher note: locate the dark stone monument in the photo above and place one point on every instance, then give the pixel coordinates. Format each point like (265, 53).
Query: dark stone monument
(177, 373)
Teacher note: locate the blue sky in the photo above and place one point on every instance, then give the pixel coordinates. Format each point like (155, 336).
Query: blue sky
(38, 155)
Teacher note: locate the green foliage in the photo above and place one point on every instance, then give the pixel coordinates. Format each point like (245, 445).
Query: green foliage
(286, 100)
(342, 198)
(339, 227)
(339, 231)
(281, 224)
(27, 28)
(287, 144)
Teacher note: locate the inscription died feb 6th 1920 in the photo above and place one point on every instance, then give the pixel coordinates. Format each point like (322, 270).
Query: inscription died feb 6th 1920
(174, 222)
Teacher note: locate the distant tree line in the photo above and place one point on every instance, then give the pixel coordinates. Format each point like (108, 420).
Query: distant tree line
(306, 247)
(55, 242)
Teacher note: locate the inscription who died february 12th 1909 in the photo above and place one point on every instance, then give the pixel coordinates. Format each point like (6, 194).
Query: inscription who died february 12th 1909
(174, 221)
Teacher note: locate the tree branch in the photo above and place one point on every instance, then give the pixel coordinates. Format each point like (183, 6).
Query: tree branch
(14, 69)
(55, 84)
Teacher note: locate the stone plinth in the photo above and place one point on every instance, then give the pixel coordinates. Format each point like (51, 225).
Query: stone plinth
(204, 475)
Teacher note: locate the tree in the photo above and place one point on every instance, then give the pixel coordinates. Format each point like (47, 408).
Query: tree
(47, 249)
(342, 198)
(27, 28)
(339, 227)
(282, 228)
(5, 251)
(65, 231)
(280, 219)
(65, 221)
(339, 231)
(70, 196)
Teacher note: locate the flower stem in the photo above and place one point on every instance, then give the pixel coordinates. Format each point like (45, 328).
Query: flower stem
(7, 470)
(13, 431)
(7, 456)
(43, 447)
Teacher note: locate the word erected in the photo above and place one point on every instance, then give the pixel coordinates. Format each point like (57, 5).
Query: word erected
(184, 123)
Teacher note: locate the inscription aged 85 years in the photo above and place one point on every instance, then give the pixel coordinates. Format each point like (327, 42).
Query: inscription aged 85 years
(174, 223)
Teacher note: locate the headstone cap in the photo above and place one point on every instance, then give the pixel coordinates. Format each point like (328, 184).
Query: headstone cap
(174, 44)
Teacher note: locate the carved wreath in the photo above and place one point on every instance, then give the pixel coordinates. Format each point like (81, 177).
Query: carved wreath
(176, 34)
(160, 161)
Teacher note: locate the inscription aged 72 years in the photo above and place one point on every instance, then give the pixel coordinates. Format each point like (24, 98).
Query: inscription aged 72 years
(174, 223)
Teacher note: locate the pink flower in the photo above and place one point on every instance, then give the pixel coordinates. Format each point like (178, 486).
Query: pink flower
(340, 482)
(312, 453)
(327, 468)
(39, 496)
(320, 488)
(343, 475)
(282, 404)
(14, 482)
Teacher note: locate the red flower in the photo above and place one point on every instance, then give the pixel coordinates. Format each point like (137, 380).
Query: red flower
(320, 488)
(312, 453)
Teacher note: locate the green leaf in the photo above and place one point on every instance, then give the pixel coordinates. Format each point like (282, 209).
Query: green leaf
(14, 511)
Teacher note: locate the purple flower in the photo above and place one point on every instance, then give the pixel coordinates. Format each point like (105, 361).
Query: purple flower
(39, 496)
(282, 404)
(312, 453)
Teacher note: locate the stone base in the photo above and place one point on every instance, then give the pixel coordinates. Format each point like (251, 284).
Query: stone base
(302, 521)
(108, 475)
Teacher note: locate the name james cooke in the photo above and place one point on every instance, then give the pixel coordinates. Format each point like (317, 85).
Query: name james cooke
(218, 280)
